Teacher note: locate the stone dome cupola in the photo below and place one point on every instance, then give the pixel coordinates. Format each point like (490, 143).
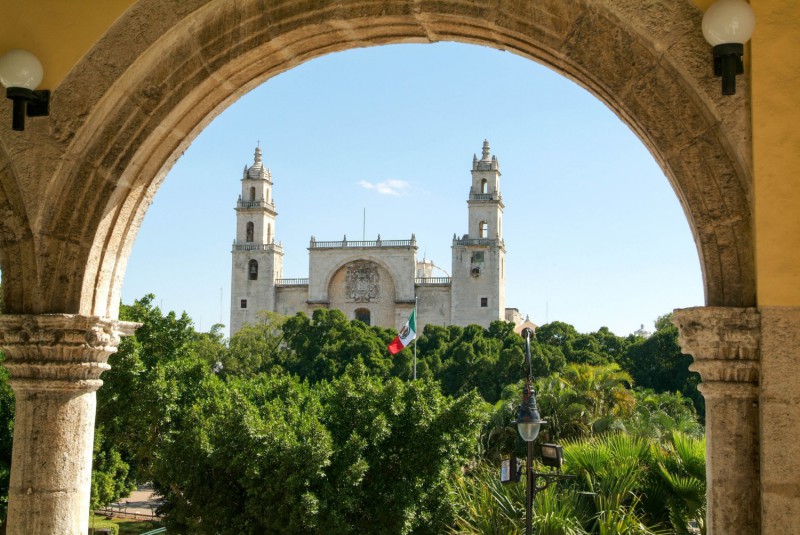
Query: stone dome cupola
(257, 171)
(487, 161)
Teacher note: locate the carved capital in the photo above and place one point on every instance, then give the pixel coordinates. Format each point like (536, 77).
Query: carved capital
(725, 343)
(59, 352)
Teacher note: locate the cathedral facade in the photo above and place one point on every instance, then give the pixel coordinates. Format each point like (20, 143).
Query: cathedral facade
(378, 282)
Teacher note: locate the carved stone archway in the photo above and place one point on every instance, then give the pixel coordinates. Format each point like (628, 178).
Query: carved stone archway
(75, 187)
(137, 99)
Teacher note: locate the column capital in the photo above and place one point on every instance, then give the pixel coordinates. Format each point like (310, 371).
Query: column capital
(725, 343)
(59, 352)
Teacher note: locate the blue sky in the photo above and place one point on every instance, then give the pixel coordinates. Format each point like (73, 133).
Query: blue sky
(594, 233)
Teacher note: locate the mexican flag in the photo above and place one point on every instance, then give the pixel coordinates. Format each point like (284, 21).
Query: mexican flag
(406, 334)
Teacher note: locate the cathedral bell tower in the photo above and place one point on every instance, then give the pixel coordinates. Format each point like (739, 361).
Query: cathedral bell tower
(257, 259)
(478, 278)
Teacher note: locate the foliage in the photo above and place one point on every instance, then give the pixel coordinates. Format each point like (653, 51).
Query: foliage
(256, 348)
(658, 363)
(486, 506)
(321, 347)
(658, 415)
(123, 525)
(304, 425)
(463, 358)
(396, 445)
(110, 480)
(98, 523)
(681, 480)
(612, 473)
(269, 454)
(6, 437)
(247, 459)
(154, 375)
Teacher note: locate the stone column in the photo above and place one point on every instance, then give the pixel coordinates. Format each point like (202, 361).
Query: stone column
(725, 345)
(55, 362)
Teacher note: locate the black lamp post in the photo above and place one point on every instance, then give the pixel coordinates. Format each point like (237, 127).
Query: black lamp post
(528, 424)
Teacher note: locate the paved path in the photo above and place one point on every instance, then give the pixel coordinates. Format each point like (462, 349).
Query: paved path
(142, 501)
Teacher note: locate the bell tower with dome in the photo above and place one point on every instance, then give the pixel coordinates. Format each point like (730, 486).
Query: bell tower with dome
(478, 287)
(257, 258)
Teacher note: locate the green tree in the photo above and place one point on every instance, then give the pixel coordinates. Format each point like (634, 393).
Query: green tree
(153, 376)
(110, 480)
(247, 459)
(257, 347)
(324, 345)
(681, 481)
(658, 363)
(396, 446)
(658, 415)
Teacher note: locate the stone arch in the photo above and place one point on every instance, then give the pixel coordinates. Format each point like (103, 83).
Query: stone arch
(355, 257)
(164, 70)
(252, 270)
(366, 285)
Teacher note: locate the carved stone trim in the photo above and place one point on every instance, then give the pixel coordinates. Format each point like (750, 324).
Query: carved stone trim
(59, 352)
(725, 344)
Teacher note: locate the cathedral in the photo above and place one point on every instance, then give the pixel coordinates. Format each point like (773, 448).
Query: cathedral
(378, 282)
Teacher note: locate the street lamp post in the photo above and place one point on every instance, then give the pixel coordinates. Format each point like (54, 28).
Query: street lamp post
(529, 423)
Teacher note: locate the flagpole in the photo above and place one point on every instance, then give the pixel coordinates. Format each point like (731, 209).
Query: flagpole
(415, 340)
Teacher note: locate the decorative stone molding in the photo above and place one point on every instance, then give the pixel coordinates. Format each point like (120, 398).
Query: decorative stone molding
(59, 351)
(725, 344)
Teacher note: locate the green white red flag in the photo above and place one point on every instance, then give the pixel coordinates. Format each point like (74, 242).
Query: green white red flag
(406, 334)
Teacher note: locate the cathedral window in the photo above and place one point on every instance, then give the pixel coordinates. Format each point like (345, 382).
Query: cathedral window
(252, 194)
(484, 302)
(243, 303)
(269, 233)
(252, 270)
(250, 231)
(483, 229)
(363, 315)
(484, 186)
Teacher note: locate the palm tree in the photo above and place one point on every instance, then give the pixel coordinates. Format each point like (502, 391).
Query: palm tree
(611, 471)
(682, 476)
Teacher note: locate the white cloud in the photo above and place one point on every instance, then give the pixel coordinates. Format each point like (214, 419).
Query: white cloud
(387, 187)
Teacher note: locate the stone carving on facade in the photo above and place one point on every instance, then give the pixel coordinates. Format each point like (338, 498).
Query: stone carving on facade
(361, 282)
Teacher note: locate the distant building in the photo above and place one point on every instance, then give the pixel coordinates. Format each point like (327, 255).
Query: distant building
(641, 332)
(377, 281)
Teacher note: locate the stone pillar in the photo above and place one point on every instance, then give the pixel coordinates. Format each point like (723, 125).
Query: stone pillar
(780, 420)
(55, 362)
(725, 345)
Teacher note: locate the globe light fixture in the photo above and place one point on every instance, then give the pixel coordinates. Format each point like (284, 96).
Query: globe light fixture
(21, 73)
(727, 26)
(529, 422)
